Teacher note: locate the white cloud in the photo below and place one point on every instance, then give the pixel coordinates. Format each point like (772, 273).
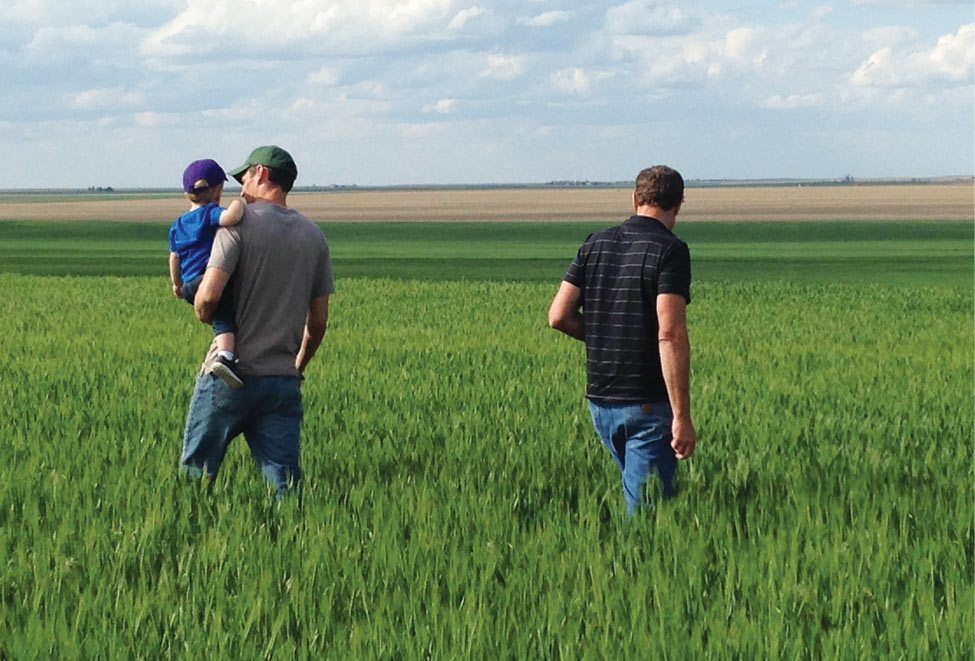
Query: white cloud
(742, 45)
(24, 10)
(151, 120)
(889, 35)
(302, 104)
(464, 15)
(339, 24)
(400, 15)
(904, 4)
(646, 17)
(675, 47)
(443, 106)
(106, 98)
(504, 67)
(695, 51)
(241, 111)
(60, 13)
(324, 76)
(111, 40)
(546, 19)
(371, 88)
(744, 61)
(794, 101)
(572, 80)
(953, 58)
(820, 13)
(419, 131)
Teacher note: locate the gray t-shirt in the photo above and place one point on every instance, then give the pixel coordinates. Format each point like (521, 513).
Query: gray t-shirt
(279, 262)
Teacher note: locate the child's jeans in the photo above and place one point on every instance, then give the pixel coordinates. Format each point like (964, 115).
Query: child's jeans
(223, 317)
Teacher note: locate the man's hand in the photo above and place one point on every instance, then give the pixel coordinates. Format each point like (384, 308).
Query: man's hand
(684, 437)
(178, 291)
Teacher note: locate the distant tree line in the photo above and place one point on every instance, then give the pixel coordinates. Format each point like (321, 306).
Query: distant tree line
(572, 183)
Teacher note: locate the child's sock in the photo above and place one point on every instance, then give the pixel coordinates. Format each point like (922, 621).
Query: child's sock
(229, 355)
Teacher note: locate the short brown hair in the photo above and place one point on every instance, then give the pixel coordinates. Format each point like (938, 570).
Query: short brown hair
(660, 186)
(205, 195)
(276, 176)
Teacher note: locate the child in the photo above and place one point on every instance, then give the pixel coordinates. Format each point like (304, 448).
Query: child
(190, 241)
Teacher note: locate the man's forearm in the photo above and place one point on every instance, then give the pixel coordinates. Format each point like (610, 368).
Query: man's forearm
(565, 314)
(675, 362)
(208, 295)
(315, 326)
(572, 325)
(309, 345)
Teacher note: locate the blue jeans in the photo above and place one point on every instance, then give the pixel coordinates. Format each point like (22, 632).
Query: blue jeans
(638, 437)
(266, 410)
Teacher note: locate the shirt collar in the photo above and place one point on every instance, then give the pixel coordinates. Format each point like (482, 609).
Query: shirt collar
(645, 222)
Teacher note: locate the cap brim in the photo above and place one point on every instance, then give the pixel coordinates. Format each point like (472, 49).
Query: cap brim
(238, 173)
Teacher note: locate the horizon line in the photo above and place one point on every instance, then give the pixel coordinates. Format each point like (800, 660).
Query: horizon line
(848, 180)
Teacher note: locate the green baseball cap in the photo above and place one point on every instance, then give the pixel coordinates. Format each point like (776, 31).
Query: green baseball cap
(270, 155)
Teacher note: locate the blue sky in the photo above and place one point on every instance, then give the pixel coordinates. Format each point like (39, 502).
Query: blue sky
(387, 92)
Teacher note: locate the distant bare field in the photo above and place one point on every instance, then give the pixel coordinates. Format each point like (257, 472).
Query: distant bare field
(780, 203)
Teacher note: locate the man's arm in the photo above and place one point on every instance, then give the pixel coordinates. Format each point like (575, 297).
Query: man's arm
(208, 295)
(315, 327)
(564, 314)
(675, 361)
(174, 275)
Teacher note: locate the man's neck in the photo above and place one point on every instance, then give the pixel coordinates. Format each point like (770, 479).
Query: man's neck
(668, 218)
(281, 200)
(267, 193)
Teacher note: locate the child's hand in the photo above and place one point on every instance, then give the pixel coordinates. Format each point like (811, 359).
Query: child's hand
(178, 291)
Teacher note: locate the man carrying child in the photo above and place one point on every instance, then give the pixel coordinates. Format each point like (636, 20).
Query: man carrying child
(282, 271)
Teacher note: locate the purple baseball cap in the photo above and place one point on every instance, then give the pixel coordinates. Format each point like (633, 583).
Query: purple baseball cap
(203, 174)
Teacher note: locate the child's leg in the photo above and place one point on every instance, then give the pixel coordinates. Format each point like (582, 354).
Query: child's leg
(224, 365)
(225, 343)
(189, 289)
(224, 330)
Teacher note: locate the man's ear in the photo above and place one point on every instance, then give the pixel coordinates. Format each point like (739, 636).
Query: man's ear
(633, 198)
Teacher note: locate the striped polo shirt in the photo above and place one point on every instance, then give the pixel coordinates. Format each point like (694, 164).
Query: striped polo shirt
(620, 271)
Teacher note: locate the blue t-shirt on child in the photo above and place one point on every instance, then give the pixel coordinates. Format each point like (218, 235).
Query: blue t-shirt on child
(191, 238)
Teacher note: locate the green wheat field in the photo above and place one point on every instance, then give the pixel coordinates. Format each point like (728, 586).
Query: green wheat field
(457, 503)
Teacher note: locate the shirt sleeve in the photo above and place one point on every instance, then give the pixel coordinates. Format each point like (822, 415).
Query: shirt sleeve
(324, 281)
(213, 212)
(172, 238)
(226, 249)
(576, 275)
(674, 276)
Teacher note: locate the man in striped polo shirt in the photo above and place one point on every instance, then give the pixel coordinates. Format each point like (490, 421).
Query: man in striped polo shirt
(625, 296)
